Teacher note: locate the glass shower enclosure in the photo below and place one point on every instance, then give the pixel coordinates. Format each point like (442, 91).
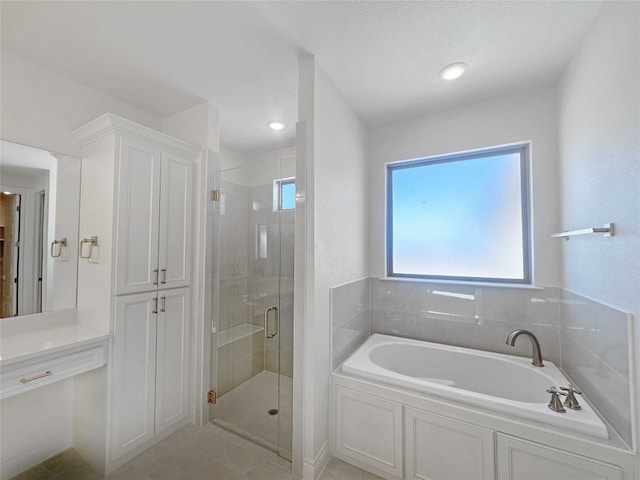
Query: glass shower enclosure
(252, 339)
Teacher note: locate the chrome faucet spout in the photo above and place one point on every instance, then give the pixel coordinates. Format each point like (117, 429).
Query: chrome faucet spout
(537, 356)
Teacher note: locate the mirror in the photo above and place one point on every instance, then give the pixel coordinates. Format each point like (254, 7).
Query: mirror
(39, 215)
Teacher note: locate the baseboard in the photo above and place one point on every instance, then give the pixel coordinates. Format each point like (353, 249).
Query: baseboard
(312, 469)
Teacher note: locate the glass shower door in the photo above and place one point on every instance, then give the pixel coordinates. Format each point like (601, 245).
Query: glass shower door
(253, 307)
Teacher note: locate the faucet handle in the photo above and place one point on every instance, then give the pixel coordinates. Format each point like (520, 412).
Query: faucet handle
(571, 389)
(555, 404)
(572, 401)
(553, 390)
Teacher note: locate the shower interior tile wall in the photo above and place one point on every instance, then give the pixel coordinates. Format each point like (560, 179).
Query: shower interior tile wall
(248, 284)
(265, 273)
(241, 359)
(234, 223)
(590, 341)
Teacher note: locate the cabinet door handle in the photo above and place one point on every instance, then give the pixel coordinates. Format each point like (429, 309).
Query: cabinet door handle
(155, 305)
(48, 373)
(155, 271)
(164, 275)
(164, 304)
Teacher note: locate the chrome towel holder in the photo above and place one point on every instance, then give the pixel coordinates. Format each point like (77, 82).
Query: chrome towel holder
(92, 241)
(62, 243)
(606, 229)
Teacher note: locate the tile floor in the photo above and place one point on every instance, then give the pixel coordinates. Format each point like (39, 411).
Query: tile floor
(192, 453)
(246, 407)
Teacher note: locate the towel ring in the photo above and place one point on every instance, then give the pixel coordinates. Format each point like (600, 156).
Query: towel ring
(92, 241)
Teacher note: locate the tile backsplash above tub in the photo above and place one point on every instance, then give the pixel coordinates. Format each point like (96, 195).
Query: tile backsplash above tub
(596, 355)
(350, 319)
(467, 316)
(590, 341)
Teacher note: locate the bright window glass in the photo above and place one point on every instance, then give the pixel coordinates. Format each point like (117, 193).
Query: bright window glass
(460, 217)
(284, 194)
(288, 195)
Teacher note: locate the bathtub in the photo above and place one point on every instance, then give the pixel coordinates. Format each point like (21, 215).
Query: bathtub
(494, 381)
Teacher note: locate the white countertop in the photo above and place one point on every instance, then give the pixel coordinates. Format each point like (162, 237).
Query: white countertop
(30, 337)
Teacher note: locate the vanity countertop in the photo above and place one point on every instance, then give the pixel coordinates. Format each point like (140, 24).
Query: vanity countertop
(27, 338)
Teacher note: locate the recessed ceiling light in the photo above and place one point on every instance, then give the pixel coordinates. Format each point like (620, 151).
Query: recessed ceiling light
(276, 125)
(453, 71)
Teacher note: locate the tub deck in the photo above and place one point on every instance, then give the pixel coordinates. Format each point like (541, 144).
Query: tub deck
(498, 382)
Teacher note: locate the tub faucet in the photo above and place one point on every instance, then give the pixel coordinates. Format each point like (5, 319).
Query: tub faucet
(537, 357)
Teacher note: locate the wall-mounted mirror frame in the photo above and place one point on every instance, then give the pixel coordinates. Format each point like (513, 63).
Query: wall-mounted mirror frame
(39, 217)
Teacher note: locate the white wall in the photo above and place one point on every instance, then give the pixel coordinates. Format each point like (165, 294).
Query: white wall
(66, 226)
(232, 158)
(515, 118)
(40, 108)
(600, 162)
(257, 169)
(336, 173)
(281, 161)
(198, 125)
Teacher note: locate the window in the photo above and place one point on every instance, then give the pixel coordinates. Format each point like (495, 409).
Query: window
(284, 194)
(461, 217)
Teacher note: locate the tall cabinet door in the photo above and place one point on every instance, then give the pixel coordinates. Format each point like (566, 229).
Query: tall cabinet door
(172, 358)
(134, 372)
(176, 231)
(138, 217)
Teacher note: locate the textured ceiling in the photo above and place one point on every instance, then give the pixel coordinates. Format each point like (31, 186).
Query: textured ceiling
(383, 56)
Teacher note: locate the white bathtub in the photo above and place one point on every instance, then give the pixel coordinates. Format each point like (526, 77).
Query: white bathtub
(503, 383)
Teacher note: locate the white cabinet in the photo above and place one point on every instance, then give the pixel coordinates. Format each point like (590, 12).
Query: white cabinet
(40, 352)
(524, 460)
(150, 367)
(172, 359)
(368, 432)
(154, 218)
(137, 200)
(133, 373)
(402, 435)
(446, 449)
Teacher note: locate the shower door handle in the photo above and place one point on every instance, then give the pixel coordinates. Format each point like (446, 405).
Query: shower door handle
(276, 312)
(266, 322)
